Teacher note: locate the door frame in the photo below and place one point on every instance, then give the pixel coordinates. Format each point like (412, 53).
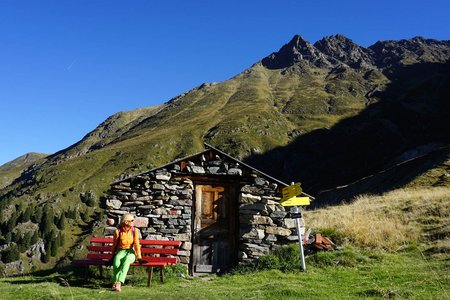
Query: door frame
(232, 189)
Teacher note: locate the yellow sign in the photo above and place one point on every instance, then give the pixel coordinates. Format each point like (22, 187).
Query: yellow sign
(291, 191)
(294, 201)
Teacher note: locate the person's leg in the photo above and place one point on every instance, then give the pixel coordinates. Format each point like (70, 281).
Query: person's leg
(126, 261)
(117, 265)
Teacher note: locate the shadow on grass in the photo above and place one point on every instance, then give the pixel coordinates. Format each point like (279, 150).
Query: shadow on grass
(67, 276)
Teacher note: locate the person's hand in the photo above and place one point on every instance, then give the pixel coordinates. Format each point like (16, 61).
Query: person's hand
(141, 261)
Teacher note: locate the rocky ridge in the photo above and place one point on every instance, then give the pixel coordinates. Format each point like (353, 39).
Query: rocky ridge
(333, 50)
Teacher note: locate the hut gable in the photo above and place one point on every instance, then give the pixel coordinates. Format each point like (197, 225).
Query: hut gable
(223, 210)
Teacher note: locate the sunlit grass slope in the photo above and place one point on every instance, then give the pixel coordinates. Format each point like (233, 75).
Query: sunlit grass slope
(394, 246)
(393, 221)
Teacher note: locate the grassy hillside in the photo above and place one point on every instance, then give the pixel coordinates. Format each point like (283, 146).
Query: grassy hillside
(392, 222)
(394, 246)
(13, 169)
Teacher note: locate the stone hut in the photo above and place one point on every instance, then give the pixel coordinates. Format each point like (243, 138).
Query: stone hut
(224, 211)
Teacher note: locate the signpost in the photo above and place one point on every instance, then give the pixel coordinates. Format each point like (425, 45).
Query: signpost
(290, 198)
(295, 201)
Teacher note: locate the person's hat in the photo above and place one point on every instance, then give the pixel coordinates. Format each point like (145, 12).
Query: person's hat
(127, 217)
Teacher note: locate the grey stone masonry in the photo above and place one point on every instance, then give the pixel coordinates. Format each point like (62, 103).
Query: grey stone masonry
(163, 201)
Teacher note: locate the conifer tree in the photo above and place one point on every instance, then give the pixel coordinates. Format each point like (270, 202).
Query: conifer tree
(35, 237)
(27, 214)
(37, 217)
(62, 222)
(12, 222)
(45, 258)
(47, 221)
(8, 237)
(54, 245)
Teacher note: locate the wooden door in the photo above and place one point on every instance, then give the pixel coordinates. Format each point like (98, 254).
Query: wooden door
(214, 228)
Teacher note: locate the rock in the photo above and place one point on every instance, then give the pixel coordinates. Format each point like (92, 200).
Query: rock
(271, 238)
(141, 222)
(212, 170)
(36, 250)
(184, 259)
(185, 245)
(278, 214)
(255, 250)
(234, 171)
(196, 169)
(160, 211)
(244, 219)
(289, 223)
(249, 198)
(253, 233)
(114, 204)
(261, 181)
(278, 231)
(183, 237)
(252, 190)
(253, 206)
(118, 212)
(158, 186)
(163, 176)
(15, 267)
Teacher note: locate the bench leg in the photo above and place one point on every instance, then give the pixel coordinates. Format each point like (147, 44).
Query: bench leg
(161, 272)
(150, 275)
(100, 268)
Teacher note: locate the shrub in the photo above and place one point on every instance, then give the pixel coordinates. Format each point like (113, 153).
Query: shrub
(88, 198)
(285, 258)
(10, 254)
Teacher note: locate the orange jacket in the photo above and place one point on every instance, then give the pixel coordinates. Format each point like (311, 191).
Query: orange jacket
(124, 240)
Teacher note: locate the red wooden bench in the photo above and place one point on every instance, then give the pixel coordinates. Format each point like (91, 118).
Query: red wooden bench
(155, 253)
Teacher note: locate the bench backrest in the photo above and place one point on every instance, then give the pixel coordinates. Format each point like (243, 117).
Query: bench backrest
(151, 250)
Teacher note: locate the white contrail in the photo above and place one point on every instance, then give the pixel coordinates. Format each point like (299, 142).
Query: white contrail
(70, 66)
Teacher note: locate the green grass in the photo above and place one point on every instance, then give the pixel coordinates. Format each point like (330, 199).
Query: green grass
(405, 275)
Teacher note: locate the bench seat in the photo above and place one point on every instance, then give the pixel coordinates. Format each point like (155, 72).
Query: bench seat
(155, 253)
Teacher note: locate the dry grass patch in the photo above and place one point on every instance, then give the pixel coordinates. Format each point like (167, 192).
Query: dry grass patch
(391, 221)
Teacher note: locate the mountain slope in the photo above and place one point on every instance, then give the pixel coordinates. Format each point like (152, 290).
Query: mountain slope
(328, 115)
(14, 168)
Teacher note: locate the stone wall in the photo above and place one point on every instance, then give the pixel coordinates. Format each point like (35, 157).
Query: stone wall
(162, 203)
(162, 200)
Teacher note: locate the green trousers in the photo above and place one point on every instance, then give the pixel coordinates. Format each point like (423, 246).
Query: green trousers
(122, 261)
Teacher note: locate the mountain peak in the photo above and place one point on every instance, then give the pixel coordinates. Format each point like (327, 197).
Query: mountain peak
(298, 50)
(297, 41)
(344, 50)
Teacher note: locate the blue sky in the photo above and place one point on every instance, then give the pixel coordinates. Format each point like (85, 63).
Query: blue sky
(65, 66)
